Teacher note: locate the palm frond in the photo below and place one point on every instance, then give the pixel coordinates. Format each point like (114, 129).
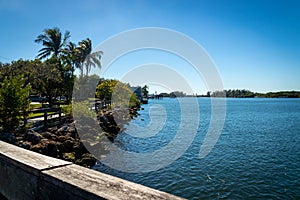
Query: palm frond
(53, 42)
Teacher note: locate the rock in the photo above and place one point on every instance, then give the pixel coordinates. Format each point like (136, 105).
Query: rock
(46, 147)
(72, 135)
(52, 129)
(67, 143)
(79, 148)
(72, 128)
(86, 160)
(24, 144)
(63, 129)
(44, 140)
(33, 137)
(48, 135)
(8, 137)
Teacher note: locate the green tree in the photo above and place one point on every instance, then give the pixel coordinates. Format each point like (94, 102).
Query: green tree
(62, 54)
(145, 90)
(119, 93)
(13, 102)
(87, 58)
(26, 68)
(70, 57)
(48, 80)
(85, 87)
(53, 42)
(44, 77)
(177, 94)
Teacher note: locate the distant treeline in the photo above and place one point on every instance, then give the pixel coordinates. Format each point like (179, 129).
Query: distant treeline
(238, 94)
(173, 94)
(249, 94)
(286, 94)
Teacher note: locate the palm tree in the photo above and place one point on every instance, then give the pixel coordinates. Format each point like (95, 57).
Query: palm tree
(69, 56)
(53, 42)
(86, 57)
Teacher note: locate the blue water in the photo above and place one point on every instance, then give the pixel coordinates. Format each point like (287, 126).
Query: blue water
(256, 156)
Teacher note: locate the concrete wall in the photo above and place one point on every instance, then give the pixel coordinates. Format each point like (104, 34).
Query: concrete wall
(28, 175)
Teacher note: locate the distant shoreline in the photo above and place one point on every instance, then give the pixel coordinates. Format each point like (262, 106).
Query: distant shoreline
(237, 94)
(189, 96)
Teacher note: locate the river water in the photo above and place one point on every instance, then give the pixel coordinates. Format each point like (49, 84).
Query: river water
(257, 154)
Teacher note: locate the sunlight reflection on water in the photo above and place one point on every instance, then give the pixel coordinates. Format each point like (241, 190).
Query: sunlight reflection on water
(257, 155)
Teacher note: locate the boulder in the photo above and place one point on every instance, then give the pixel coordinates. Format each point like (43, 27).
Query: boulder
(63, 129)
(46, 147)
(33, 137)
(52, 129)
(48, 135)
(72, 128)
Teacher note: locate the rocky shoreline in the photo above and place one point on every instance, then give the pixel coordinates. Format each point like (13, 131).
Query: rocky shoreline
(60, 141)
(63, 141)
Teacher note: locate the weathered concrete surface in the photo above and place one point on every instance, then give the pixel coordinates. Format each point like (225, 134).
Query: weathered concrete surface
(20, 171)
(96, 184)
(17, 183)
(28, 160)
(28, 175)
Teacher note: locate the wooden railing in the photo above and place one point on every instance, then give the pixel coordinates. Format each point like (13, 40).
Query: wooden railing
(45, 114)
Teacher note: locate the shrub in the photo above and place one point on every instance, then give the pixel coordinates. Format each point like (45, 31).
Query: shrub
(14, 102)
(118, 93)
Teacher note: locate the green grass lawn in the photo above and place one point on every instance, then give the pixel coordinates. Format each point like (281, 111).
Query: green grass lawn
(35, 106)
(39, 114)
(66, 109)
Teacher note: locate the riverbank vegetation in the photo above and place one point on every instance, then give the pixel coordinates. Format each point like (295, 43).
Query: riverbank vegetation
(50, 80)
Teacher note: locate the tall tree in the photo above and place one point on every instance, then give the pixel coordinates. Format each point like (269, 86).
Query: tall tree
(69, 57)
(48, 80)
(62, 57)
(86, 57)
(53, 42)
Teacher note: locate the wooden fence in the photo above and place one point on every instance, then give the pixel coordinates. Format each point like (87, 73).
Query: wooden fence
(45, 115)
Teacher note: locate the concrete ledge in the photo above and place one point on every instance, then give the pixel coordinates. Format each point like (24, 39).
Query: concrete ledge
(28, 160)
(29, 175)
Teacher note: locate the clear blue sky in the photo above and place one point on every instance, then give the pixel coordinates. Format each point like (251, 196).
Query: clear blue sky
(254, 44)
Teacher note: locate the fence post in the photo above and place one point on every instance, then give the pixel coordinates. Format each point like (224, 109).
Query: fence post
(45, 118)
(59, 114)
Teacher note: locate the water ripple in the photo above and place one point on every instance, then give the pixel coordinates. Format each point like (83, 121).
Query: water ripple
(256, 157)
